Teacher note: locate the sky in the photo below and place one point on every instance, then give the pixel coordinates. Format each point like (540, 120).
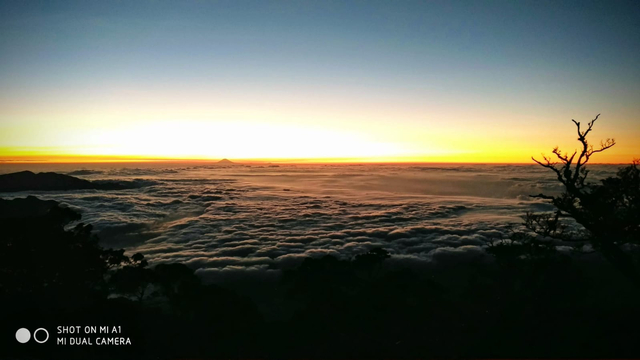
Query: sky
(433, 81)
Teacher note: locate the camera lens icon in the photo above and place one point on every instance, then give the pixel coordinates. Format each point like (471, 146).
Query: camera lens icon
(24, 335)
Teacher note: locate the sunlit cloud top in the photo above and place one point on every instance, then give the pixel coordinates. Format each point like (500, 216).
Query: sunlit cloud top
(493, 81)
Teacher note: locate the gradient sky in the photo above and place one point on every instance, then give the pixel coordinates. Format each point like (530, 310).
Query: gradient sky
(464, 81)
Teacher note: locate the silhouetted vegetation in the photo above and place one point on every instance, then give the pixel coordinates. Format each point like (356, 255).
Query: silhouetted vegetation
(607, 214)
(52, 276)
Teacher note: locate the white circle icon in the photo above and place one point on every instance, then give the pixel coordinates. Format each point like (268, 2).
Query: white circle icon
(23, 335)
(36, 339)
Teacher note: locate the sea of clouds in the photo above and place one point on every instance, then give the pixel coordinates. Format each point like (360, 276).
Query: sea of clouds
(252, 220)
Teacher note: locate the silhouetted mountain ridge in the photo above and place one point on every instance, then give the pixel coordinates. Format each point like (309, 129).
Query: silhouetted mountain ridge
(50, 181)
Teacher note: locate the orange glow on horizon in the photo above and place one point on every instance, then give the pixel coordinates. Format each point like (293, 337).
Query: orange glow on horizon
(280, 142)
(461, 159)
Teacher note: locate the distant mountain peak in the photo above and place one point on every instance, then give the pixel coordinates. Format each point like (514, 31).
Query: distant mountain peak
(225, 161)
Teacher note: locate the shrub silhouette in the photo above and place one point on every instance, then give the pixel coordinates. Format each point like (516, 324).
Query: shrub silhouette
(42, 262)
(133, 279)
(53, 275)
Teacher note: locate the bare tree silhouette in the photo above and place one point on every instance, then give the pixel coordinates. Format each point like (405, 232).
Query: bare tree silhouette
(608, 212)
(573, 176)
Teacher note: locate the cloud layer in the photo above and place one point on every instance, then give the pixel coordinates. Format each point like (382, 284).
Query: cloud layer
(249, 220)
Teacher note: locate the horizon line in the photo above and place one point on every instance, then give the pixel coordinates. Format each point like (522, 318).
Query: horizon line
(278, 162)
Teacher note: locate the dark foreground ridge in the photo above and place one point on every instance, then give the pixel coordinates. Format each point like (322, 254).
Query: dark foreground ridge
(531, 301)
(50, 181)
